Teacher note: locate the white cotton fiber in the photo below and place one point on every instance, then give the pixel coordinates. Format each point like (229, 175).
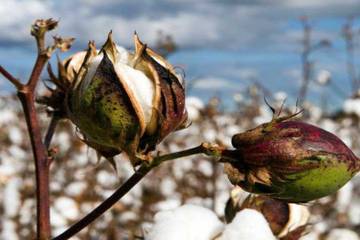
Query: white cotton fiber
(188, 222)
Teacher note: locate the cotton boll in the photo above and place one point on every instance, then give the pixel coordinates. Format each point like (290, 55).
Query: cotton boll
(310, 236)
(248, 224)
(210, 135)
(280, 96)
(167, 204)
(193, 106)
(238, 97)
(329, 125)
(324, 77)
(67, 208)
(206, 168)
(167, 186)
(354, 213)
(265, 115)
(352, 106)
(106, 179)
(15, 135)
(62, 139)
(342, 234)
(11, 201)
(17, 153)
(26, 211)
(188, 222)
(344, 196)
(75, 188)
(9, 230)
(321, 226)
(7, 116)
(56, 219)
(127, 216)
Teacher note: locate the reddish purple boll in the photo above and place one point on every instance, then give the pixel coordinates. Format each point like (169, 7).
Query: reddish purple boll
(290, 160)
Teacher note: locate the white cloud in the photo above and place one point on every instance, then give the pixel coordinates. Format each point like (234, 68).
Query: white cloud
(212, 83)
(318, 3)
(17, 15)
(228, 24)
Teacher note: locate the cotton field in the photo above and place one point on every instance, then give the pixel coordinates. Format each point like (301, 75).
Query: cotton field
(181, 199)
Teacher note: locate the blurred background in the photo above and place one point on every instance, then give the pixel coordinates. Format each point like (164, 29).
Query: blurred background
(223, 46)
(232, 54)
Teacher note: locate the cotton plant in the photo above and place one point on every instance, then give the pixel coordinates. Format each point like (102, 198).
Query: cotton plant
(128, 102)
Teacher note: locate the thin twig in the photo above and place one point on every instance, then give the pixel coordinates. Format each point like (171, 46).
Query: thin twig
(11, 78)
(51, 130)
(210, 150)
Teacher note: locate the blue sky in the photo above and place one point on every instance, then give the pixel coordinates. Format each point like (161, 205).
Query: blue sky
(222, 44)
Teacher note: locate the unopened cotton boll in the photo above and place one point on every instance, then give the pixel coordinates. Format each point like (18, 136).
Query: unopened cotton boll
(289, 160)
(188, 222)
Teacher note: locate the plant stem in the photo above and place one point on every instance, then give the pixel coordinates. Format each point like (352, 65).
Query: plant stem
(26, 94)
(145, 168)
(41, 165)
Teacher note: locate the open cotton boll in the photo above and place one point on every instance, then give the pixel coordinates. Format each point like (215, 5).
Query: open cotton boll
(344, 196)
(324, 77)
(194, 105)
(188, 222)
(248, 224)
(140, 85)
(342, 234)
(352, 106)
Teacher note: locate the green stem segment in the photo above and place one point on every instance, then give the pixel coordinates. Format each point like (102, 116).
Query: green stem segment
(145, 168)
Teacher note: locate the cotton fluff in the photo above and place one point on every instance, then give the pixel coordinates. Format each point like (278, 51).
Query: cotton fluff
(324, 77)
(342, 234)
(344, 197)
(194, 105)
(352, 106)
(67, 207)
(11, 195)
(188, 222)
(248, 224)
(15, 135)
